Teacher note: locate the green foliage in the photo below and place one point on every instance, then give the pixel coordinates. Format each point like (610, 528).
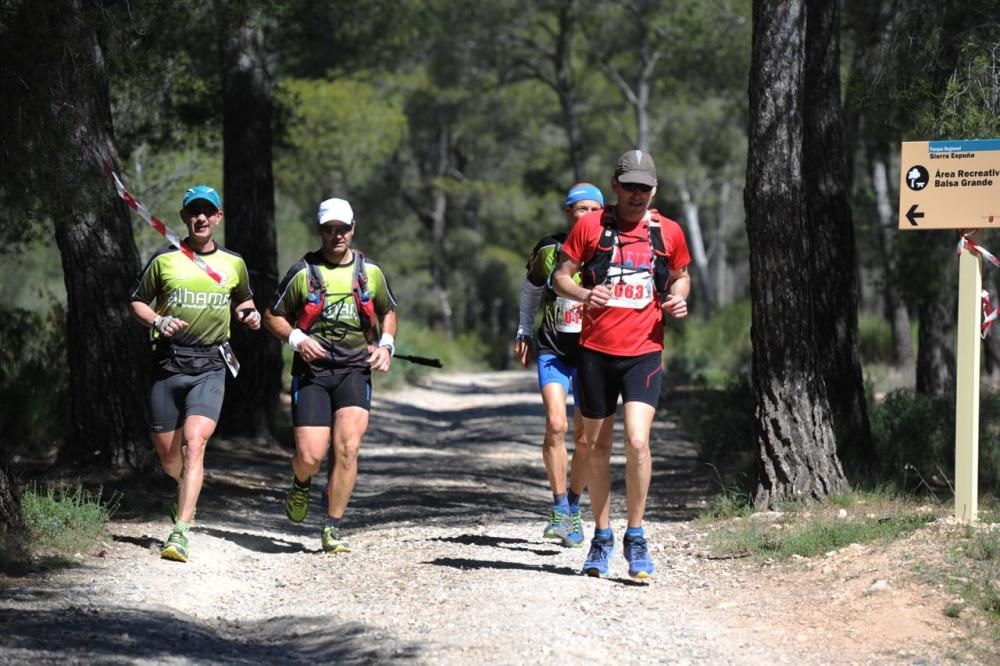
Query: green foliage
(33, 379)
(721, 422)
(874, 339)
(813, 536)
(914, 438)
(67, 520)
(712, 351)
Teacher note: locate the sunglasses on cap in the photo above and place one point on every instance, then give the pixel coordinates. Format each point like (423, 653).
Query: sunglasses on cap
(632, 187)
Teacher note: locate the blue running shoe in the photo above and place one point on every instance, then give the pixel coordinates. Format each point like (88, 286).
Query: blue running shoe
(637, 553)
(573, 536)
(599, 557)
(559, 523)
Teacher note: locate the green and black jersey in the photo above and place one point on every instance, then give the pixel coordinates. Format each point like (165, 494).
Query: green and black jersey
(559, 332)
(338, 328)
(174, 286)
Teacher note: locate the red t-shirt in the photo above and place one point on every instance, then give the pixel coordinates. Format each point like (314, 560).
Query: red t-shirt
(635, 325)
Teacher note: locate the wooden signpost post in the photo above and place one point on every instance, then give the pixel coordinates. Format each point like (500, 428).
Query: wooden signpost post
(956, 185)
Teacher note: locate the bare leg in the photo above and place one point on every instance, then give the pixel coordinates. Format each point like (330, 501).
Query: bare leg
(597, 438)
(197, 431)
(554, 445)
(638, 460)
(349, 426)
(311, 444)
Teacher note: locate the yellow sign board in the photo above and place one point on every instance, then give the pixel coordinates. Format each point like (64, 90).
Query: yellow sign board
(949, 184)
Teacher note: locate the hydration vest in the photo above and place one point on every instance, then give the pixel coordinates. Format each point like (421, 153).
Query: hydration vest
(595, 270)
(363, 301)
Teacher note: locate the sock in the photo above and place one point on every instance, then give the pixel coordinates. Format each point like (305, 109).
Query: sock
(603, 534)
(333, 522)
(559, 502)
(182, 526)
(573, 500)
(635, 533)
(301, 484)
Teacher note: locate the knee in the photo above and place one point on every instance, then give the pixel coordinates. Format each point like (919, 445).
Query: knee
(194, 451)
(347, 453)
(637, 447)
(556, 428)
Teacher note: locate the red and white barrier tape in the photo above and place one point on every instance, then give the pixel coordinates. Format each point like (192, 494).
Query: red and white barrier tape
(989, 309)
(154, 222)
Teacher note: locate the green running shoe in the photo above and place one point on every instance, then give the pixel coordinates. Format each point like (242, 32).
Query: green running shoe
(176, 548)
(559, 524)
(573, 537)
(297, 502)
(333, 543)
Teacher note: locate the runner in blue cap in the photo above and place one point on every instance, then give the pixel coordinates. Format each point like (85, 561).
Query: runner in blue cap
(557, 341)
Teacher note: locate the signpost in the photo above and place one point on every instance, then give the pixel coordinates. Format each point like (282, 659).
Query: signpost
(956, 185)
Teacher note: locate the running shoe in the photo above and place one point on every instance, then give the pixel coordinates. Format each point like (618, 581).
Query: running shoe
(572, 534)
(599, 557)
(559, 523)
(333, 542)
(637, 553)
(176, 547)
(297, 503)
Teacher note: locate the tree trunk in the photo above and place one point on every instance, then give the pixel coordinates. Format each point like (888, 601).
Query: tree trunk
(895, 307)
(703, 279)
(794, 428)
(937, 313)
(834, 261)
(10, 501)
(108, 353)
(252, 399)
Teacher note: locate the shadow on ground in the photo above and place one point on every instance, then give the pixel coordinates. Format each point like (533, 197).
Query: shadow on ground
(87, 635)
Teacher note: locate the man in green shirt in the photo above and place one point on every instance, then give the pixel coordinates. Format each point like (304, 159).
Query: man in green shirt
(188, 313)
(328, 308)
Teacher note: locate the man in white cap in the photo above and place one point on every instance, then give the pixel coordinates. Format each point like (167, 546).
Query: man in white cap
(329, 308)
(633, 264)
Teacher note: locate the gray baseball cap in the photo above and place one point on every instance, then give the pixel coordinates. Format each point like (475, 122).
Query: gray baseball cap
(636, 166)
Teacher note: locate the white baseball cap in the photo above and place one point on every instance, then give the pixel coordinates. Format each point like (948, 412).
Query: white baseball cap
(335, 209)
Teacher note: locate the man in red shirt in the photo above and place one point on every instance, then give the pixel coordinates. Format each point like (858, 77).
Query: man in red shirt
(627, 289)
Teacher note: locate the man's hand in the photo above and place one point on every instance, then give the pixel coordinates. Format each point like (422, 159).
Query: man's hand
(380, 358)
(599, 296)
(168, 326)
(250, 318)
(522, 350)
(674, 306)
(308, 349)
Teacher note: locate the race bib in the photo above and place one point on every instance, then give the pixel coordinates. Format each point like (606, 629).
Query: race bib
(632, 290)
(568, 315)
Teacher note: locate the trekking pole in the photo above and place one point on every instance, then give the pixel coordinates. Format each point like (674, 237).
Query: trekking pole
(420, 360)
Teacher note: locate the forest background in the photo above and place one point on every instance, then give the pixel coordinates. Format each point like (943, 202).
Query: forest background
(454, 127)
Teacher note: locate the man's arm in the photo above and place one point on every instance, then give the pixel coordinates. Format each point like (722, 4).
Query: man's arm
(531, 296)
(309, 349)
(564, 285)
(675, 304)
(147, 316)
(381, 356)
(251, 318)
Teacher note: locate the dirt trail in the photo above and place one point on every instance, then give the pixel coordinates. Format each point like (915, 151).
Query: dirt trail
(449, 566)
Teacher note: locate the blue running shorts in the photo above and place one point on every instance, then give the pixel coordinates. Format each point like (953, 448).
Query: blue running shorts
(554, 370)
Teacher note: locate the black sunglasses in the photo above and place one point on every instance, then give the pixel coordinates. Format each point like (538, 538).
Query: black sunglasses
(339, 230)
(632, 187)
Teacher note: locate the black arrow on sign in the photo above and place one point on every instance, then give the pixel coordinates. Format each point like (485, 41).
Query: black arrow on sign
(912, 215)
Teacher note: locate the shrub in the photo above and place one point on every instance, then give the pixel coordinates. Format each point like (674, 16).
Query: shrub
(34, 378)
(709, 352)
(67, 520)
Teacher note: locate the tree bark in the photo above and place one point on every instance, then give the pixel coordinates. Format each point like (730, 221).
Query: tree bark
(10, 501)
(108, 353)
(937, 308)
(794, 428)
(834, 260)
(252, 398)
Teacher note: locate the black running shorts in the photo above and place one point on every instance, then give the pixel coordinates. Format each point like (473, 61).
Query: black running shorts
(176, 396)
(315, 399)
(604, 377)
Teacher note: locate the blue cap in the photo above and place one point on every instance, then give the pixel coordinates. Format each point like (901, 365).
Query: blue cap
(202, 192)
(584, 192)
